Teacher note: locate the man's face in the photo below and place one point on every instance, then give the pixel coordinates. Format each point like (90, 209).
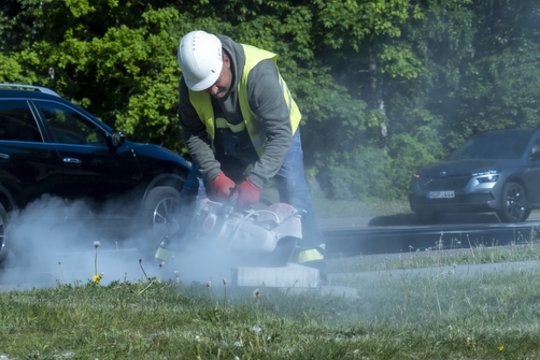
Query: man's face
(222, 85)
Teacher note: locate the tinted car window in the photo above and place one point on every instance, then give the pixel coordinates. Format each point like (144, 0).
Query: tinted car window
(496, 145)
(68, 127)
(535, 150)
(17, 122)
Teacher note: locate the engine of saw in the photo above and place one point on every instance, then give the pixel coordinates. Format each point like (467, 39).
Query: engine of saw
(264, 237)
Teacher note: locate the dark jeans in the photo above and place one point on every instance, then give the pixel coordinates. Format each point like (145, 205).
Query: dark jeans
(291, 185)
(293, 189)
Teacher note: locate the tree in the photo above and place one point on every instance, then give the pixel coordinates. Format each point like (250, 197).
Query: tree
(502, 83)
(383, 85)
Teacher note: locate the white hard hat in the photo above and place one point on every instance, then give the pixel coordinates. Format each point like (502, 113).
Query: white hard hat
(201, 60)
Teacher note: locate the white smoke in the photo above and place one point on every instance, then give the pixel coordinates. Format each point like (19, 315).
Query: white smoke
(53, 241)
(199, 262)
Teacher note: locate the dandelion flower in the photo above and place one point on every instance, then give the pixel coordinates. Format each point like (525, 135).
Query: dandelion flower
(256, 329)
(97, 244)
(500, 348)
(256, 293)
(96, 278)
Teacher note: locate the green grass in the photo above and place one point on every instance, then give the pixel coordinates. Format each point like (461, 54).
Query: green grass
(435, 316)
(355, 208)
(422, 259)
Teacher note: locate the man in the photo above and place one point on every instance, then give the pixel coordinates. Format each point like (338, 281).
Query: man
(240, 125)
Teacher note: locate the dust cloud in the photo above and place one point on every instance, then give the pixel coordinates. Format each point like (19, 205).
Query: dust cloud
(53, 241)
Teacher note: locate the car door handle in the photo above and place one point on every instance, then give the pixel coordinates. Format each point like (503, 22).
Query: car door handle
(72, 161)
(4, 156)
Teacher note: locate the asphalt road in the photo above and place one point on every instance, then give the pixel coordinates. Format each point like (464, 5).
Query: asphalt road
(401, 234)
(409, 220)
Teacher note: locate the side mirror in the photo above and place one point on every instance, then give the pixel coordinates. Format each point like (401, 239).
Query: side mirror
(118, 138)
(535, 153)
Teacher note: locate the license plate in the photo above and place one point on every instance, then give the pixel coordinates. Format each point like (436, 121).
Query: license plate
(449, 194)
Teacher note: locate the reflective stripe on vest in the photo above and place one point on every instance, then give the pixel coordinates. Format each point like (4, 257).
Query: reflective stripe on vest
(222, 123)
(202, 103)
(308, 255)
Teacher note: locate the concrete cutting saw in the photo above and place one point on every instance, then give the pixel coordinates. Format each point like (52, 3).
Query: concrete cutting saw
(268, 236)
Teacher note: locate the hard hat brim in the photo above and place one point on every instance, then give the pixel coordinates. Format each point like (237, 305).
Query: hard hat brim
(203, 84)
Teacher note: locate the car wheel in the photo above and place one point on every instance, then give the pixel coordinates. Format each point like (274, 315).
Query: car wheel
(161, 214)
(513, 203)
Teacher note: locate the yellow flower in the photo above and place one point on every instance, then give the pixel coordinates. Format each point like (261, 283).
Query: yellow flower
(96, 278)
(500, 348)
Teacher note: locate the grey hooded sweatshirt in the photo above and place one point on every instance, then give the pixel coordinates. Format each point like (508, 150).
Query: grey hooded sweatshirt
(266, 100)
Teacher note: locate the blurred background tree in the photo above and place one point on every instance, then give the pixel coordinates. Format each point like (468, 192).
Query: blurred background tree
(384, 86)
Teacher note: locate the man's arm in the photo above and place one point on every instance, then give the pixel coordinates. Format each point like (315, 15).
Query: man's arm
(196, 138)
(267, 101)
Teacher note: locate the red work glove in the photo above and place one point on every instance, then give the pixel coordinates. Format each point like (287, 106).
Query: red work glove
(221, 187)
(247, 193)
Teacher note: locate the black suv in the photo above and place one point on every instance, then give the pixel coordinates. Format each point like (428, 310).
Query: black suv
(51, 146)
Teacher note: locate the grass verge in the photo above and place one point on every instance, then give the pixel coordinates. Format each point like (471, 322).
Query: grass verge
(448, 258)
(437, 315)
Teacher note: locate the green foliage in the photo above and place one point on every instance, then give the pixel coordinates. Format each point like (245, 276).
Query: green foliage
(349, 22)
(411, 151)
(501, 80)
(505, 93)
(431, 72)
(372, 174)
(399, 61)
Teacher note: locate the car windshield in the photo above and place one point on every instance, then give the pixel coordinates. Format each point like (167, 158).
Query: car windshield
(494, 145)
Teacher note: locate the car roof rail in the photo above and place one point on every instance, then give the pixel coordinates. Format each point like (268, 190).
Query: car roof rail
(41, 89)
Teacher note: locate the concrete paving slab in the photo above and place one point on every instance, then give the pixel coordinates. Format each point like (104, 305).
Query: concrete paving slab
(291, 276)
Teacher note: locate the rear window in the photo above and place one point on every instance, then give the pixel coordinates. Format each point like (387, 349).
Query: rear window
(17, 122)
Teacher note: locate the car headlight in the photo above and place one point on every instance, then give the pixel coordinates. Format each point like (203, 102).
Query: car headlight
(486, 176)
(421, 180)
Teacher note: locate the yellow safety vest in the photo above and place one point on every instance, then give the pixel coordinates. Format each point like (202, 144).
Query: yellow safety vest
(202, 103)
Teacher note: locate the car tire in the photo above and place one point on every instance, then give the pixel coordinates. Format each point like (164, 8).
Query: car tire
(513, 203)
(161, 215)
